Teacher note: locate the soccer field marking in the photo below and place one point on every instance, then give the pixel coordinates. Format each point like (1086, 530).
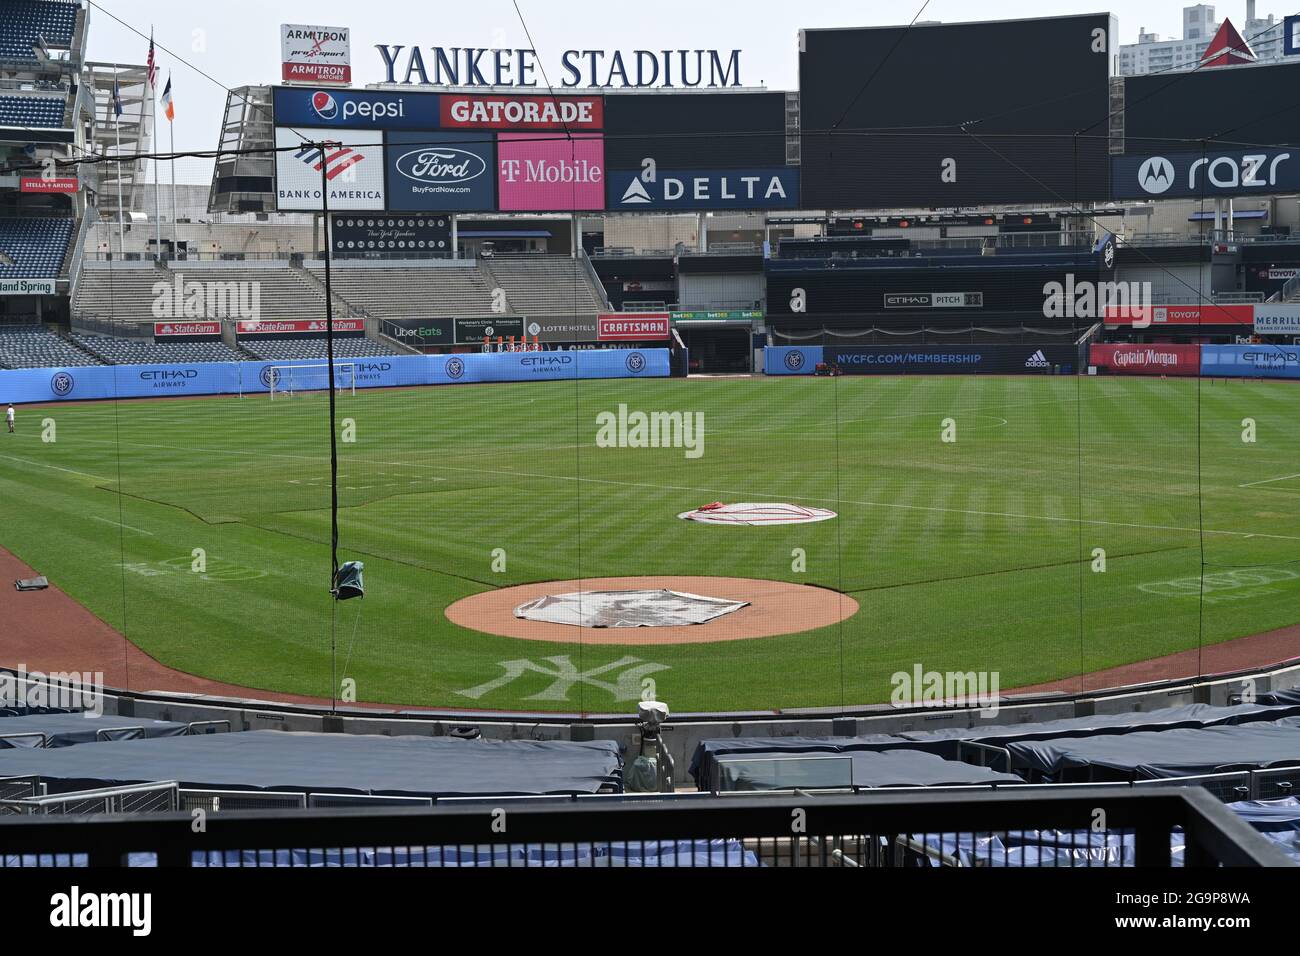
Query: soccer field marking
(41, 464)
(1251, 484)
(739, 494)
(118, 524)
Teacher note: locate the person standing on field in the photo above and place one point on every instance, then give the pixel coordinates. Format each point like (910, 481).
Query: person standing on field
(9, 417)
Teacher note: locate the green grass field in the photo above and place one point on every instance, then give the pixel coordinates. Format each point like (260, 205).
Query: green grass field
(969, 555)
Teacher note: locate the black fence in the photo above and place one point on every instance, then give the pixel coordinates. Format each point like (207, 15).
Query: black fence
(1087, 826)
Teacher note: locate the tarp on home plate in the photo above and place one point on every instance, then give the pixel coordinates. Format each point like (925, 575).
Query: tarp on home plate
(329, 763)
(64, 730)
(1169, 753)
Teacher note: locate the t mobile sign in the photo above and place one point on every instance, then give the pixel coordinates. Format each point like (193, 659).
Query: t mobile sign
(552, 174)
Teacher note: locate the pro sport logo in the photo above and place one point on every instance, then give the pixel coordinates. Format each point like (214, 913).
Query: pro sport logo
(269, 376)
(455, 367)
(794, 361)
(326, 107)
(635, 362)
(62, 384)
(1156, 175)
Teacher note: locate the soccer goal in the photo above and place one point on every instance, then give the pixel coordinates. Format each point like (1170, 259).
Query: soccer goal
(285, 381)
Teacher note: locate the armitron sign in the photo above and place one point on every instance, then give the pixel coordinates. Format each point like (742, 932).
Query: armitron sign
(315, 55)
(633, 326)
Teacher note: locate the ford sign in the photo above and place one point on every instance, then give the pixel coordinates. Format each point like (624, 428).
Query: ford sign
(441, 164)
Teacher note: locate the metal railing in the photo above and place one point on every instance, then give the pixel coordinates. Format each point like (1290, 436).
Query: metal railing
(849, 830)
(137, 798)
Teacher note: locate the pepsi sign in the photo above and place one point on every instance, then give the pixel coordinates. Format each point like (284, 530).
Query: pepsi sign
(354, 109)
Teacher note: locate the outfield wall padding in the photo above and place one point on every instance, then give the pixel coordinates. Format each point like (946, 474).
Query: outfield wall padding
(23, 386)
(1251, 361)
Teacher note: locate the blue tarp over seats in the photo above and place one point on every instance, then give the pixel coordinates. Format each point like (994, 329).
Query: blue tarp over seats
(945, 742)
(703, 766)
(330, 763)
(82, 727)
(1281, 697)
(1169, 753)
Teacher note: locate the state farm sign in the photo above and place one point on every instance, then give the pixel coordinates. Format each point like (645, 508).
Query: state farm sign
(523, 112)
(633, 326)
(297, 326)
(187, 329)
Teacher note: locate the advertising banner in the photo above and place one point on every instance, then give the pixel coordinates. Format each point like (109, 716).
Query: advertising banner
(473, 111)
(441, 171)
(775, 188)
(560, 330)
(551, 174)
(27, 286)
(952, 359)
(420, 332)
(298, 327)
(472, 331)
(934, 300)
(315, 54)
(354, 109)
(26, 386)
(1146, 359)
(633, 326)
(1250, 361)
(1215, 172)
(725, 315)
(188, 330)
(791, 359)
(1277, 319)
(412, 234)
(57, 184)
(354, 171)
(1156, 315)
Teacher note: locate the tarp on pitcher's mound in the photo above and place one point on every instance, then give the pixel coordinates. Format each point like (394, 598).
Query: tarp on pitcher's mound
(750, 513)
(657, 607)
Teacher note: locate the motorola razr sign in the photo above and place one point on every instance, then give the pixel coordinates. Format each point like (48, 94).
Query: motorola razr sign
(1214, 172)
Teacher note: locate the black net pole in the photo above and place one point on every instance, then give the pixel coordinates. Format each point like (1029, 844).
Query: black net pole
(334, 451)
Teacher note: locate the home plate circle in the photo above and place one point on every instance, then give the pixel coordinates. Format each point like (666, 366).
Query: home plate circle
(753, 514)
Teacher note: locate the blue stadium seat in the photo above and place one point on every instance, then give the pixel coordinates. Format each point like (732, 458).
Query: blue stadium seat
(35, 246)
(26, 20)
(40, 111)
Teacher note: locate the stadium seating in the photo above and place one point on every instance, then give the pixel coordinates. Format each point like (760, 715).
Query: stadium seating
(545, 285)
(145, 352)
(110, 291)
(289, 350)
(33, 346)
(44, 111)
(36, 247)
(414, 292)
(26, 20)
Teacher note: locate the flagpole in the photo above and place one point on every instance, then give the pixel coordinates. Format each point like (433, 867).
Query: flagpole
(157, 216)
(171, 133)
(121, 212)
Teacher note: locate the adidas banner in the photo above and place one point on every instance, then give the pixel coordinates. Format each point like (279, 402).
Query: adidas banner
(997, 358)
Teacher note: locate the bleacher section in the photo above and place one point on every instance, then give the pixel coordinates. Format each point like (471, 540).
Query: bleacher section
(545, 285)
(35, 245)
(143, 352)
(414, 291)
(126, 294)
(288, 350)
(26, 20)
(43, 111)
(113, 292)
(34, 346)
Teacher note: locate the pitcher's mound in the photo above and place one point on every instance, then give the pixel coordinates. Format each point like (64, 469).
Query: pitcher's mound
(767, 608)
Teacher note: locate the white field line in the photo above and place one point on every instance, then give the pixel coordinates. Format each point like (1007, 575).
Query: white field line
(116, 524)
(41, 464)
(749, 494)
(1251, 484)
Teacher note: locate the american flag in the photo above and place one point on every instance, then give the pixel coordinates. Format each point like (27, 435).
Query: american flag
(151, 67)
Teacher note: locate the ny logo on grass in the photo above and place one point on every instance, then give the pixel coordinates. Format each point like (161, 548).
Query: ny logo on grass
(624, 429)
(626, 686)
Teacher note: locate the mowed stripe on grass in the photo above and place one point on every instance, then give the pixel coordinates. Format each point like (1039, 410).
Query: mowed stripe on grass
(967, 555)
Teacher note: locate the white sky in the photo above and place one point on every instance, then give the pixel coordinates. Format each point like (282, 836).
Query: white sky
(237, 42)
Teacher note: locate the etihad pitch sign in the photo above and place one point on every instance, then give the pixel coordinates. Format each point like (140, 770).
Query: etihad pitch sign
(633, 69)
(705, 189)
(633, 326)
(1146, 359)
(315, 54)
(550, 174)
(353, 170)
(1142, 316)
(353, 109)
(581, 113)
(1214, 172)
(441, 171)
(934, 300)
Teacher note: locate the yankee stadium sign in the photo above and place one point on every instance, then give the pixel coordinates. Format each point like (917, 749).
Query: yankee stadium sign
(634, 69)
